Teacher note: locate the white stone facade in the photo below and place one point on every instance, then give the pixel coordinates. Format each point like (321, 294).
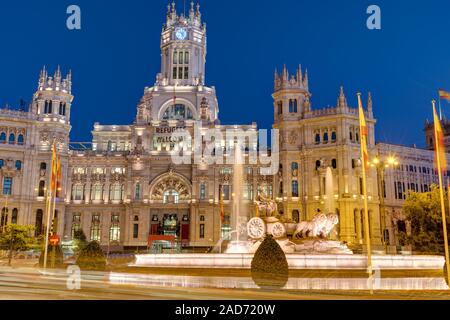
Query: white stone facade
(123, 186)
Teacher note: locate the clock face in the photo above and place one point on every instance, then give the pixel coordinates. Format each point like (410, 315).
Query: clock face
(181, 33)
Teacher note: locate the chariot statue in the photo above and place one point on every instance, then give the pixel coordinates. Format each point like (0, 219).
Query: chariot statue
(266, 205)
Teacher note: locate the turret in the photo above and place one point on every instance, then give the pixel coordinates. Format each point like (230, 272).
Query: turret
(291, 96)
(342, 100)
(53, 97)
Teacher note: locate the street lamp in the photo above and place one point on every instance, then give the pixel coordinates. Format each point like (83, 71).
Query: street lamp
(381, 164)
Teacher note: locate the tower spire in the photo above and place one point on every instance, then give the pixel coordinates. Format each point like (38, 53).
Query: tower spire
(342, 100)
(306, 80)
(369, 103)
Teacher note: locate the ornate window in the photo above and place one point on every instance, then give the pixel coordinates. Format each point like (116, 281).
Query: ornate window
(62, 109)
(178, 112)
(7, 186)
(115, 192)
(76, 223)
(248, 192)
(114, 231)
(334, 163)
(317, 138)
(292, 105)
(225, 194)
(97, 192)
(48, 108)
(41, 189)
(202, 191)
(20, 140)
(170, 189)
(4, 219)
(280, 107)
(95, 227)
(325, 137)
(296, 216)
(137, 191)
(333, 136)
(12, 138)
(171, 196)
(295, 189)
(14, 216)
(78, 192)
(18, 165)
(2, 137)
(180, 65)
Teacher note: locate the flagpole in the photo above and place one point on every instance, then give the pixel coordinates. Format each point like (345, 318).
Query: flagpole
(441, 191)
(366, 207)
(49, 208)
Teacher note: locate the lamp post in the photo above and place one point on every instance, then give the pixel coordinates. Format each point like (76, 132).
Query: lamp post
(381, 165)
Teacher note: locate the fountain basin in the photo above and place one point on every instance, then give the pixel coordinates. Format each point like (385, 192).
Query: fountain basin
(295, 261)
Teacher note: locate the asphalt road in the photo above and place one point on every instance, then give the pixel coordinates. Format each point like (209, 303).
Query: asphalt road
(32, 284)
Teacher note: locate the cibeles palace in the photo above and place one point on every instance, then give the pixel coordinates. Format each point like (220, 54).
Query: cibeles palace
(124, 186)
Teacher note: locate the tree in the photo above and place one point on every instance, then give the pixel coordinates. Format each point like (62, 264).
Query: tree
(269, 265)
(423, 210)
(80, 240)
(92, 257)
(17, 238)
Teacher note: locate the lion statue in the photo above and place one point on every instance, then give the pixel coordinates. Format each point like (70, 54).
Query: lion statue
(320, 227)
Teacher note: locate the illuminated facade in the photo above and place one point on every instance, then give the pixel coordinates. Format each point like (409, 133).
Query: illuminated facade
(123, 186)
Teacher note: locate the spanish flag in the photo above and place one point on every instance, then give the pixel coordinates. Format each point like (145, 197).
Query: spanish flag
(364, 133)
(441, 161)
(54, 176)
(58, 175)
(444, 95)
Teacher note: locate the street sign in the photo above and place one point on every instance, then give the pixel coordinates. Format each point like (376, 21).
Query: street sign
(54, 240)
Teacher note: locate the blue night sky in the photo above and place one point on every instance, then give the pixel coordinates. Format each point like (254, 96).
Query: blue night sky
(116, 54)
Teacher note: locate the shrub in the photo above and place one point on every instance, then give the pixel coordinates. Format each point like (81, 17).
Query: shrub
(58, 257)
(91, 257)
(269, 265)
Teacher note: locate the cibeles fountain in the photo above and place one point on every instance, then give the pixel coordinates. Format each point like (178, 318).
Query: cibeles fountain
(309, 245)
(308, 237)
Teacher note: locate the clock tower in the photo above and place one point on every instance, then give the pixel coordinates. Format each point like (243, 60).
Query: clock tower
(183, 48)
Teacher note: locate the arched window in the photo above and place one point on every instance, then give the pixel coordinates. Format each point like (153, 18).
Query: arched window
(62, 109)
(293, 105)
(97, 192)
(351, 136)
(357, 137)
(333, 136)
(95, 227)
(280, 107)
(334, 163)
(78, 192)
(38, 227)
(137, 191)
(318, 164)
(41, 190)
(171, 196)
(4, 219)
(116, 191)
(12, 138)
(178, 112)
(48, 108)
(14, 216)
(19, 165)
(317, 139)
(295, 189)
(20, 140)
(43, 166)
(2, 137)
(325, 137)
(114, 231)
